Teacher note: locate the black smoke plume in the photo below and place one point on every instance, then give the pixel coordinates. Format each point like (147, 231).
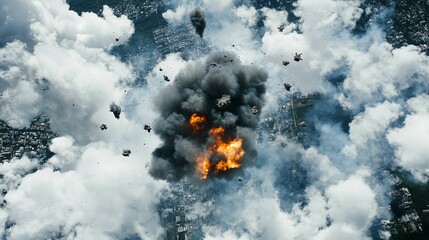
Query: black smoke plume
(198, 21)
(196, 89)
(116, 110)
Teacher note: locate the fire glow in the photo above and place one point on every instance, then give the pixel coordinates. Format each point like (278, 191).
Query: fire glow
(230, 151)
(197, 122)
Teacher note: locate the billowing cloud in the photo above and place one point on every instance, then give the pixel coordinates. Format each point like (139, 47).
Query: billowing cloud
(87, 190)
(82, 201)
(249, 15)
(68, 72)
(174, 16)
(411, 150)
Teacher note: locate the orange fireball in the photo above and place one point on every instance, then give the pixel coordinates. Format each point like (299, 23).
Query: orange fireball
(231, 151)
(197, 122)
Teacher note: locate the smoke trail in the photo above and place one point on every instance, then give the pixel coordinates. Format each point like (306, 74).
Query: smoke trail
(196, 92)
(198, 21)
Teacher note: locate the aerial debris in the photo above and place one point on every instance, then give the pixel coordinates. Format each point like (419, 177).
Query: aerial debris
(115, 109)
(302, 124)
(287, 86)
(240, 180)
(281, 28)
(213, 64)
(126, 152)
(285, 63)
(160, 69)
(297, 57)
(117, 39)
(198, 21)
(293, 172)
(224, 101)
(254, 110)
(166, 78)
(103, 126)
(147, 128)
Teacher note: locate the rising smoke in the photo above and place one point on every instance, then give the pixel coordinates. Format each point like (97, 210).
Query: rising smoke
(196, 90)
(198, 21)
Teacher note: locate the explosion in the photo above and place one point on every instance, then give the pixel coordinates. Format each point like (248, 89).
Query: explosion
(206, 122)
(229, 151)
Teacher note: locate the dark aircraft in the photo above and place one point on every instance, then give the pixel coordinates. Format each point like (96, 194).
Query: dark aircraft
(147, 128)
(285, 63)
(287, 86)
(126, 152)
(297, 57)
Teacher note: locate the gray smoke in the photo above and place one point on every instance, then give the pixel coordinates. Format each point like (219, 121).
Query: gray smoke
(196, 90)
(198, 21)
(115, 109)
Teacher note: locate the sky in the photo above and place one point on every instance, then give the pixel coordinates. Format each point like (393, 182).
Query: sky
(56, 62)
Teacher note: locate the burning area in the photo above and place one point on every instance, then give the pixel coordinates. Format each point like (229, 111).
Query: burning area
(201, 139)
(229, 153)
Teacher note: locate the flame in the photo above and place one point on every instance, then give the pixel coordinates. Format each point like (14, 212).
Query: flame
(203, 165)
(231, 151)
(197, 122)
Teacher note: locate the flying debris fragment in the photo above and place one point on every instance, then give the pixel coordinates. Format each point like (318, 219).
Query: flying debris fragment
(285, 63)
(302, 124)
(147, 128)
(166, 78)
(103, 127)
(281, 28)
(198, 21)
(126, 152)
(213, 64)
(115, 109)
(254, 110)
(117, 39)
(160, 69)
(287, 86)
(297, 57)
(240, 180)
(224, 101)
(293, 172)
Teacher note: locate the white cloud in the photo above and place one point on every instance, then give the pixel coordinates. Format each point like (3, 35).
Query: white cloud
(104, 192)
(409, 141)
(381, 73)
(352, 202)
(248, 15)
(217, 5)
(368, 125)
(88, 189)
(68, 73)
(173, 16)
(14, 170)
(274, 19)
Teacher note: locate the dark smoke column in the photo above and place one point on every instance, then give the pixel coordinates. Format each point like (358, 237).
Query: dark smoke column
(196, 92)
(198, 21)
